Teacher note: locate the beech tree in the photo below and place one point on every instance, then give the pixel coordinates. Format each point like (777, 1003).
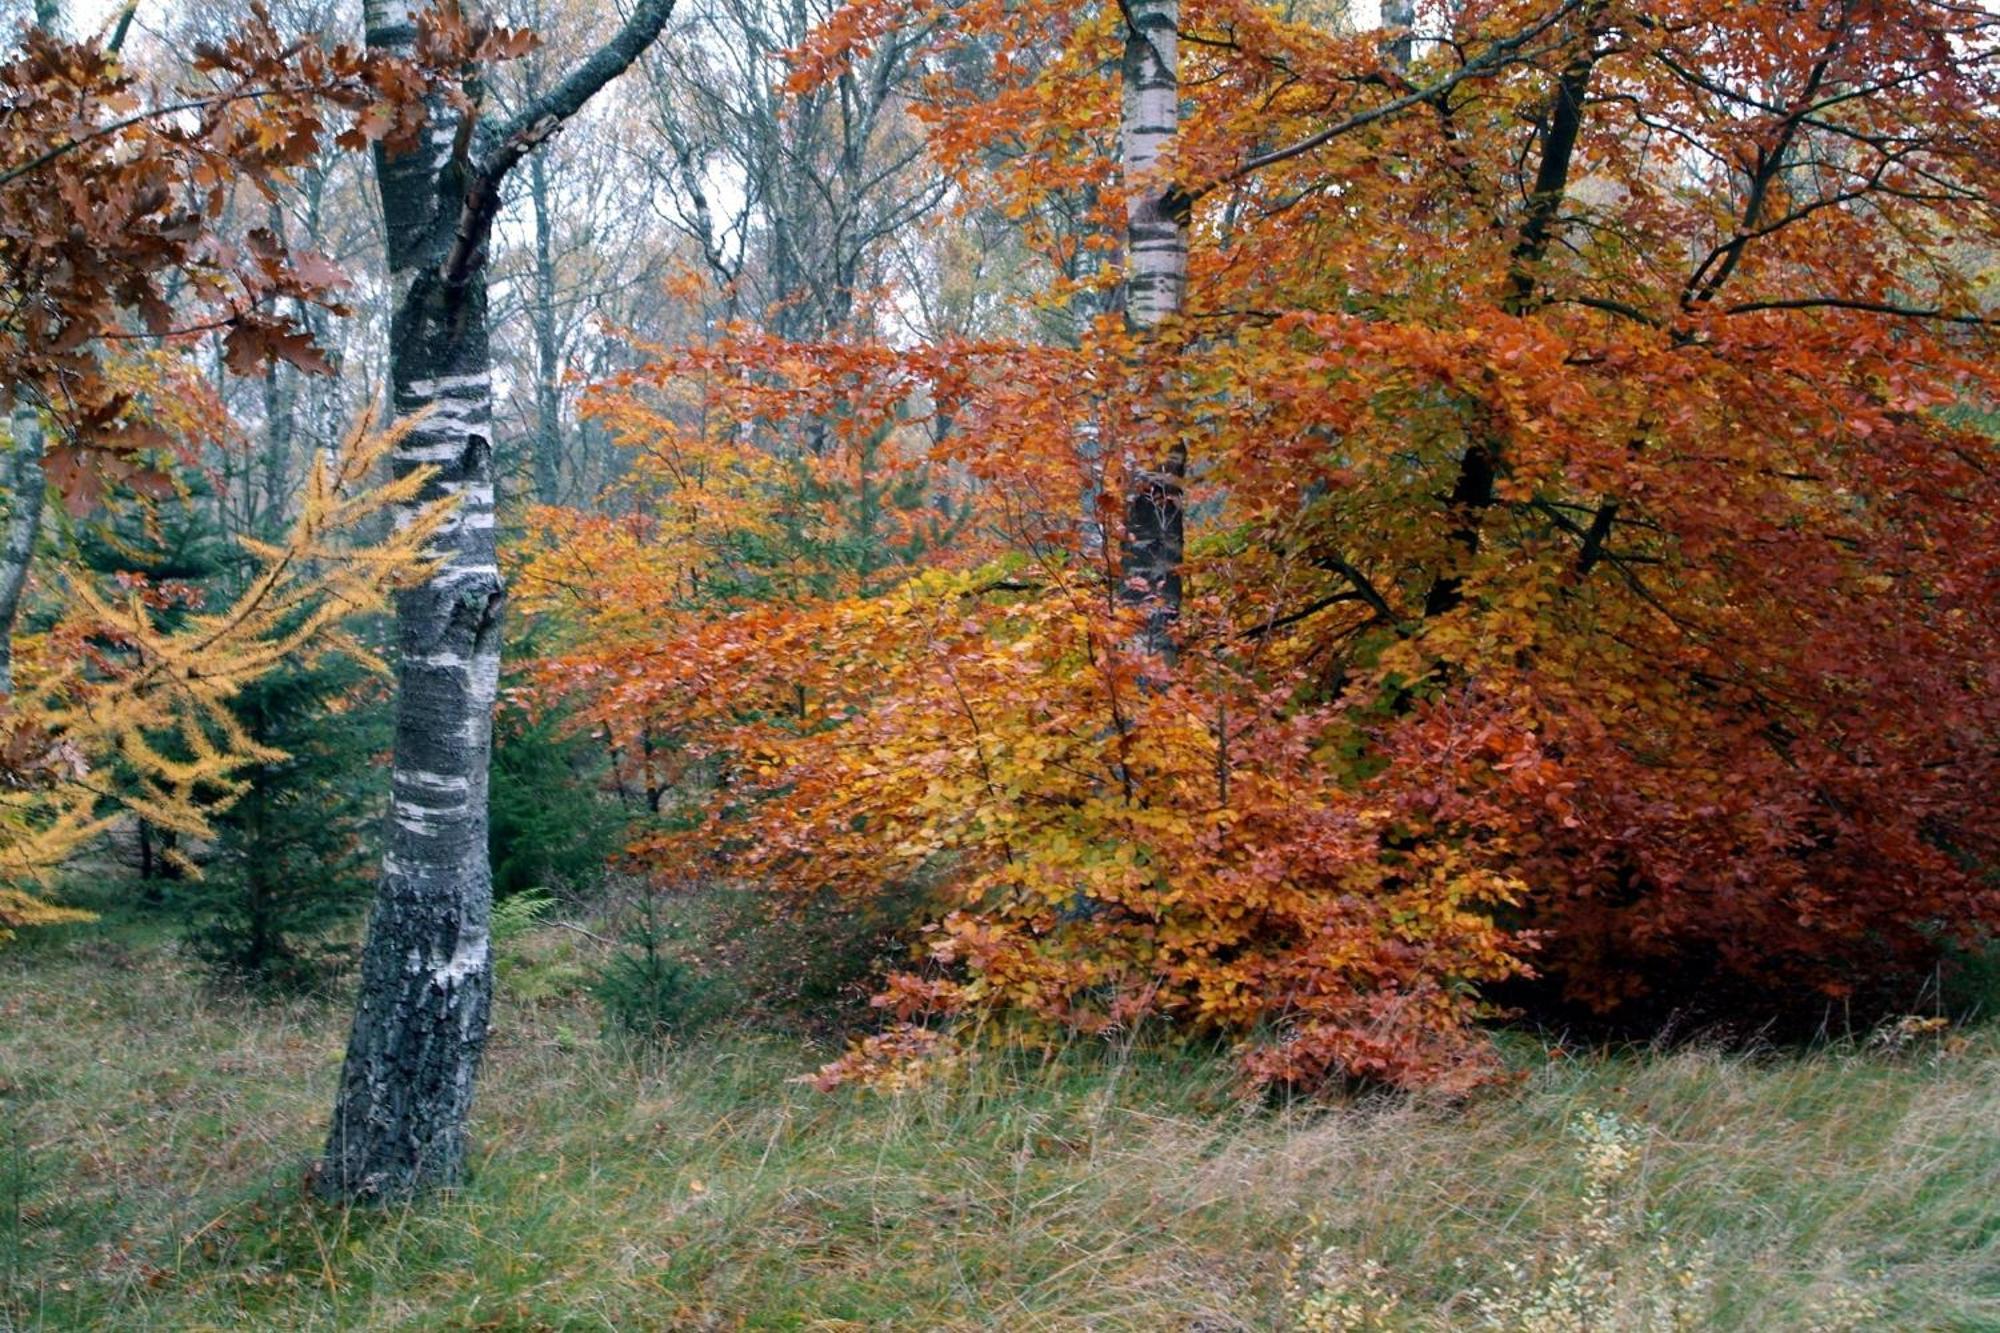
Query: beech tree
(399, 1120)
(1594, 582)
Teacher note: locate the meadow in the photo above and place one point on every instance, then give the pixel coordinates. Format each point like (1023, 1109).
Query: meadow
(155, 1136)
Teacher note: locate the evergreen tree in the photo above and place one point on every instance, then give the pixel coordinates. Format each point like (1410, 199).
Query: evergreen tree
(294, 857)
(551, 827)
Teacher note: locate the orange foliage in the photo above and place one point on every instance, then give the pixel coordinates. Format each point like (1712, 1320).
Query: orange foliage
(1600, 585)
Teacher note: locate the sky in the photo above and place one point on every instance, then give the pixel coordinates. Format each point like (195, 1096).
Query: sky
(89, 15)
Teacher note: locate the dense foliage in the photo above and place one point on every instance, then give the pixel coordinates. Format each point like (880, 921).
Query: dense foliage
(294, 855)
(552, 825)
(1590, 576)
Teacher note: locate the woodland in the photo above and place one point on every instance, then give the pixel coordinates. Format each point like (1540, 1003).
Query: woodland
(848, 664)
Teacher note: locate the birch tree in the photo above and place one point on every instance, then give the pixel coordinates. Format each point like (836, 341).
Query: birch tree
(399, 1118)
(1156, 248)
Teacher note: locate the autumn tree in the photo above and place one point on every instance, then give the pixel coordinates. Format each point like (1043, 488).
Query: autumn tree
(1588, 564)
(26, 490)
(116, 256)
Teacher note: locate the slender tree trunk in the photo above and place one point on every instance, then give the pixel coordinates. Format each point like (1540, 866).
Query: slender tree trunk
(548, 351)
(399, 1119)
(1156, 247)
(280, 408)
(1473, 488)
(273, 489)
(27, 486)
(1400, 14)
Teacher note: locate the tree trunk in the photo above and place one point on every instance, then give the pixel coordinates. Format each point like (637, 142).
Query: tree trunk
(426, 974)
(1156, 247)
(1473, 488)
(280, 405)
(427, 977)
(399, 1119)
(548, 350)
(1400, 14)
(27, 488)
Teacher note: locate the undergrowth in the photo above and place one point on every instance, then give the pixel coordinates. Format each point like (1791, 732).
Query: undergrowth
(162, 1141)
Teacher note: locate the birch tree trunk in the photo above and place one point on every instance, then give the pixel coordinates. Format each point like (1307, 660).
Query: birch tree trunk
(1400, 14)
(427, 979)
(399, 1119)
(1156, 248)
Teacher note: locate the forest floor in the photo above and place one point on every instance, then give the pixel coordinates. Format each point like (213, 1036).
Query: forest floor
(154, 1138)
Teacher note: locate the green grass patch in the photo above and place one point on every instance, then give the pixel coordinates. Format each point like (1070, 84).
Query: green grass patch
(154, 1140)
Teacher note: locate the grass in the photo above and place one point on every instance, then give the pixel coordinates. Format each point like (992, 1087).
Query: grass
(154, 1138)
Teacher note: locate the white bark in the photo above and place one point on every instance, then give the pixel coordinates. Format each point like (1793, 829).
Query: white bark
(1156, 247)
(1155, 213)
(399, 1123)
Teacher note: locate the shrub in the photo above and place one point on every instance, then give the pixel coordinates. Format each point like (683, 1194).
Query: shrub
(647, 990)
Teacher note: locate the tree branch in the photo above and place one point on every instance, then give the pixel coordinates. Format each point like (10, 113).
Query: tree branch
(1871, 307)
(1494, 56)
(538, 121)
(535, 122)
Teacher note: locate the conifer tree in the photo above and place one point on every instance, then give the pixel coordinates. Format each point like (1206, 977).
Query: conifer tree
(293, 857)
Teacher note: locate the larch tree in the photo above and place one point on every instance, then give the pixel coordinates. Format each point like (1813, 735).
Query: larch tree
(399, 1118)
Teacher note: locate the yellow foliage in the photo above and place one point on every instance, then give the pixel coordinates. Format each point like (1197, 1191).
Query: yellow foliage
(78, 707)
(19, 909)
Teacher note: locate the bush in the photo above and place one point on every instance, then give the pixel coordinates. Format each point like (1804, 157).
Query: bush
(811, 965)
(647, 990)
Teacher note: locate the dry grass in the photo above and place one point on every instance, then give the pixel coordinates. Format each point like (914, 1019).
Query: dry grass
(153, 1140)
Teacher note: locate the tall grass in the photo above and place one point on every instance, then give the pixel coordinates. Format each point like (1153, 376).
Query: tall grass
(1077, 1187)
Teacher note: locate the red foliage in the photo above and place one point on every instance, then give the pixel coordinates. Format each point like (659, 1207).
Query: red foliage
(1602, 582)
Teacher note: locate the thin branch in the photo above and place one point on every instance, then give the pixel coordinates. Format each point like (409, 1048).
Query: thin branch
(1494, 56)
(1871, 307)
